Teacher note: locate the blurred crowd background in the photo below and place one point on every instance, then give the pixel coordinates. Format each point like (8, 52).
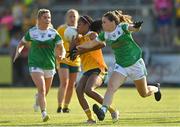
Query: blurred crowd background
(160, 34)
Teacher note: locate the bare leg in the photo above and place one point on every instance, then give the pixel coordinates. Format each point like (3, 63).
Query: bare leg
(48, 82)
(93, 81)
(39, 81)
(80, 93)
(115, 81)
(64, 80)
(70, 88)
(143, 89)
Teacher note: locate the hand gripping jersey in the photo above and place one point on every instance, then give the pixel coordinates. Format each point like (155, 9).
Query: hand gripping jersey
(66, 44)
(93, 59)
(125, 49)
(43, 43)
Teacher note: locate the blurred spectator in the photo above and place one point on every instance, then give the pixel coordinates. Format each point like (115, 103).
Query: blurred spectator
(18, 13)
(7, 19)
(28, 2)
(4, 36)
(20, 68)
(163, 12)
(43, 3)
(177, 18)
(29, 20)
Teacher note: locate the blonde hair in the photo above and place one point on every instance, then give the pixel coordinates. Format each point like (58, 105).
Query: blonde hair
(40, 13)
(75, 12)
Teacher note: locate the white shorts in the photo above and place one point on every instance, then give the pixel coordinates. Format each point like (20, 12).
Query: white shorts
(46, 73)
(135, 72)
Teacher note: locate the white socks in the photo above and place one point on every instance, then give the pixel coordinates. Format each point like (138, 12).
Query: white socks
(44, 113)
(104, 108)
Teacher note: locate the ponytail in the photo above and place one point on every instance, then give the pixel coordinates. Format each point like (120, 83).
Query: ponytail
(118, 17)
(123, 18)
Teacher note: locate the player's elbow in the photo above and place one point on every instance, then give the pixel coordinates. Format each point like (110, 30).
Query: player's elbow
(102, 45)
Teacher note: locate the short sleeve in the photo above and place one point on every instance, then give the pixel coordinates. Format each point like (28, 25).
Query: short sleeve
(58, 39)
(26, 37)
(100, 37)
(124, 27)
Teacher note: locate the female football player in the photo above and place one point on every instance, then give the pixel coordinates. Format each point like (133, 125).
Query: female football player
(67, 69)
(93, 66)
(46, 43)
(117, 34)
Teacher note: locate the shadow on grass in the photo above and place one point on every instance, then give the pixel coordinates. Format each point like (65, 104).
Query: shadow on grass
(5, 121)
(172, 111)
(108, 122)
(81, 124)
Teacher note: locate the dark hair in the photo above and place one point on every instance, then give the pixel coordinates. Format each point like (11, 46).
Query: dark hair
(95, 26)
(118, 17)
(86, 19)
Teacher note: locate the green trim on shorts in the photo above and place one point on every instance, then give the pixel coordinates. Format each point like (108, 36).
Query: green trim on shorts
(72, 69)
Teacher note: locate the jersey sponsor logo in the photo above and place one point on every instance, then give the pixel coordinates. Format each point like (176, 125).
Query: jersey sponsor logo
(43, 46)
(35, 36)
(38, 35)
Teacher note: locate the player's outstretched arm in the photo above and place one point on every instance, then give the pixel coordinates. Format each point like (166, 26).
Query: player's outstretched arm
(135, 27)
(93, 45)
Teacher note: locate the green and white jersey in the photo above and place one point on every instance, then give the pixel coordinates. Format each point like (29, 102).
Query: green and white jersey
(126, 51)
(43, 43)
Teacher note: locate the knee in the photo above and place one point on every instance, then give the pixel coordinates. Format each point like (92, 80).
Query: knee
(71, 85)
(111, 88)
(79, 91)
(88, 91)
(64, 84)
(42, 91)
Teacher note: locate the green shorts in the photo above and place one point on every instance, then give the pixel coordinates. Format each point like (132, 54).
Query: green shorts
(72, 69)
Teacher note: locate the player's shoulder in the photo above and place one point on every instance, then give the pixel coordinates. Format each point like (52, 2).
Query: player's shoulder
(52, 30)
(32, 29)
(92, 35)
(122, 24)
(61, 27)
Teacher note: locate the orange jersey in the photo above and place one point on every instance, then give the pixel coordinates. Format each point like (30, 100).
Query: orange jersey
(93, 59)
(66, 44)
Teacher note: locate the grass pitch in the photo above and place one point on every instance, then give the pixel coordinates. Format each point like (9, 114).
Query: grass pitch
(16, 109)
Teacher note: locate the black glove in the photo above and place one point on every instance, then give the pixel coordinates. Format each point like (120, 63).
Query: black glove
(137, 24)
(73, 53)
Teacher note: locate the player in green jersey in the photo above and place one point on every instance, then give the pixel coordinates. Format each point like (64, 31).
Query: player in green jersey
(45, 45)
(117, 34)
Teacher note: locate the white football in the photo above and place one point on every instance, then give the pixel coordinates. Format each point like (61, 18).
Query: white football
(69, 33)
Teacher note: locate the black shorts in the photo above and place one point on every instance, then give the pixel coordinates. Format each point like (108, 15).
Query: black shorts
(72, 69)
(97, 71)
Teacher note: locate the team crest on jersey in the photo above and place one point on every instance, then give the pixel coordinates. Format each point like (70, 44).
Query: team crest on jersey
(49, 35)
(119, 33)
(114, 35)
